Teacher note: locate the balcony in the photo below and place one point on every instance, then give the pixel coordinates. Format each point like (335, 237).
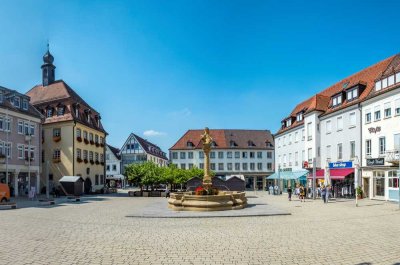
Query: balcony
(392, 156)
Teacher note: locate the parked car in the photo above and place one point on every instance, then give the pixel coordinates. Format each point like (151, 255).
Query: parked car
(4, 193)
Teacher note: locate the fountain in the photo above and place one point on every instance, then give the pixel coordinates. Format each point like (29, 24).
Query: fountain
(207, 198)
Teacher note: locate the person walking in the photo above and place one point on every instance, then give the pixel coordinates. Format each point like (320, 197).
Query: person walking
(289, 191)
(323, 193)
(271, 190)
(327, 194)
(302, 194)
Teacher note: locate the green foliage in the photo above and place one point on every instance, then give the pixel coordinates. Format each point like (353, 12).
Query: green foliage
(149, 174)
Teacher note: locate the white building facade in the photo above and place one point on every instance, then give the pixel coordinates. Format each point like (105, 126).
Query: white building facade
(113, 167)
(243, 153)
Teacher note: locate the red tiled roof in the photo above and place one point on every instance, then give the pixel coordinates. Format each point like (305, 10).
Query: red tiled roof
(224, 137)
(60, 93)
(322, 100)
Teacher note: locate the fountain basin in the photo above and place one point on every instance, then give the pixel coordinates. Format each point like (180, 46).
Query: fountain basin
(224, 200)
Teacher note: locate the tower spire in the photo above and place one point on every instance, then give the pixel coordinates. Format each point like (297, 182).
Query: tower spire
(48, 68)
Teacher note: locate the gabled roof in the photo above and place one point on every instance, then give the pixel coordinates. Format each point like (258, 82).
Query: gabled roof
(147, 146)
(115, 151)
(60, 93)
(322, 101)
(242, 139)
(31, 111)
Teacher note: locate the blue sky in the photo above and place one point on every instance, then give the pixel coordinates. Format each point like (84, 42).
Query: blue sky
(163, 67)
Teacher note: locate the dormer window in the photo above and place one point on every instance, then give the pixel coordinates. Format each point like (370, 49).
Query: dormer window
(268, 144)
(213, 144)
(232, 143)
(387, 82)
(250, 143)
(352, 94)
(189, 144)
(25, 104)
(337, 100)
(49, 113)
(299, 117)
(60, 110)
(288, 122)
(17, 102)
(1, 96)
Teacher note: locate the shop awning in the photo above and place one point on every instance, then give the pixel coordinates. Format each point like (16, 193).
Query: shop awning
(338, 173)
(288, 175)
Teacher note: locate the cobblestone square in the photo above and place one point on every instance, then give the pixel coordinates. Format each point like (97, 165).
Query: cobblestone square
(98, 231)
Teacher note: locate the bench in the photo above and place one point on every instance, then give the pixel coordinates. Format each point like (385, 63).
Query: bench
(12, 205)
(47, 202)
(74, 198)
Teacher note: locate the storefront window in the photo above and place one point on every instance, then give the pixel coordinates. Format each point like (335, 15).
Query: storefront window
(379, 183)
(393, 179)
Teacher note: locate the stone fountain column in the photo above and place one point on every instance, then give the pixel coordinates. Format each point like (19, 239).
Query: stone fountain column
(207, 141)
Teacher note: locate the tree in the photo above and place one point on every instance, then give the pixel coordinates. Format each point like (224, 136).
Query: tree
(135, 173)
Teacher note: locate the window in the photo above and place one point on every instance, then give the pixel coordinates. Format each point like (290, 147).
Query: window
(182, 155)
(91, 137)
(201, 154)
(290, 138)
(328, 126)
(252, 155)
(337, 100)
(309, 131)
(212, 166)
(220, 166)
(20, 127)
(339, 152)
(237, 166)
(78, 132)
(85, 154)
(290, 159)
(91, 156)
(303, 154)
(377, 113)
(284, 140)
(7, 123)
(220, 155)
(352, 149)
(382, 145)
(244, 166)
(252, 166)
(32, 127)
(101, 140)
(56, 132)
(393, 179)
(340, 123)
(108, 168)
(387, 110)
(237, 154)
(78, 153)
(201, 165)
(328, 152)
(368, 117)
(396, 141)
(279, 142)
(303, 134)
(49, 113)
(20, 151)
(1, 96)
(25, 104)
(368, 147)
(102, 158)
(2, 124)
(378, 85)
(85, 135)
(60, 110)
(259, 154)
(96, 156)
(190, 155)
(352, 94)
(259, 166)
(114, 167)
(56, 154)
(174, 155)
(17, 102)
(96, 180)
(190, 165)
(310, 158)
(352, 119)
(229, 166)
(296, 137)
(269, 166)
(26, 128)
(391, 80)
(212, 154)
(384, 83)
(299, 117)
(244, 154)
(288, 122)
(397, 106)
(96, 139)
(229, 154)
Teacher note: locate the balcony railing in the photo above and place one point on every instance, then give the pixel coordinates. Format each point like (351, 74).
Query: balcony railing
(392, 156)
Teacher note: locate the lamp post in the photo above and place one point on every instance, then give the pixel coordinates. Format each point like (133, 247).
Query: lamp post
(6, 147)
(279, 180)
(356, 175)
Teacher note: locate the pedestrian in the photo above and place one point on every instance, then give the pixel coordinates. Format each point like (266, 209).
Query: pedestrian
(270, 190)
(327, 194)
(289, 191)
(276, 190)
(166, 192)
(302, 194)
(323, 193)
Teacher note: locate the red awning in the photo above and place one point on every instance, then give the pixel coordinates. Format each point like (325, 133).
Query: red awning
(338, 173)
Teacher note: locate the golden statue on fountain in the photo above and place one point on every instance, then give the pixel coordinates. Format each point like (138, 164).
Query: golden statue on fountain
(207, 142)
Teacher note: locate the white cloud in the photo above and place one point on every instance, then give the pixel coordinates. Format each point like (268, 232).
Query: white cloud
(152, 133)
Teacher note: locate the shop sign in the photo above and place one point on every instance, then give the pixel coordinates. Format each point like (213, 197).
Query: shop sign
(286, 169)
(374, 130)
(375, 162)
(345, 164)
